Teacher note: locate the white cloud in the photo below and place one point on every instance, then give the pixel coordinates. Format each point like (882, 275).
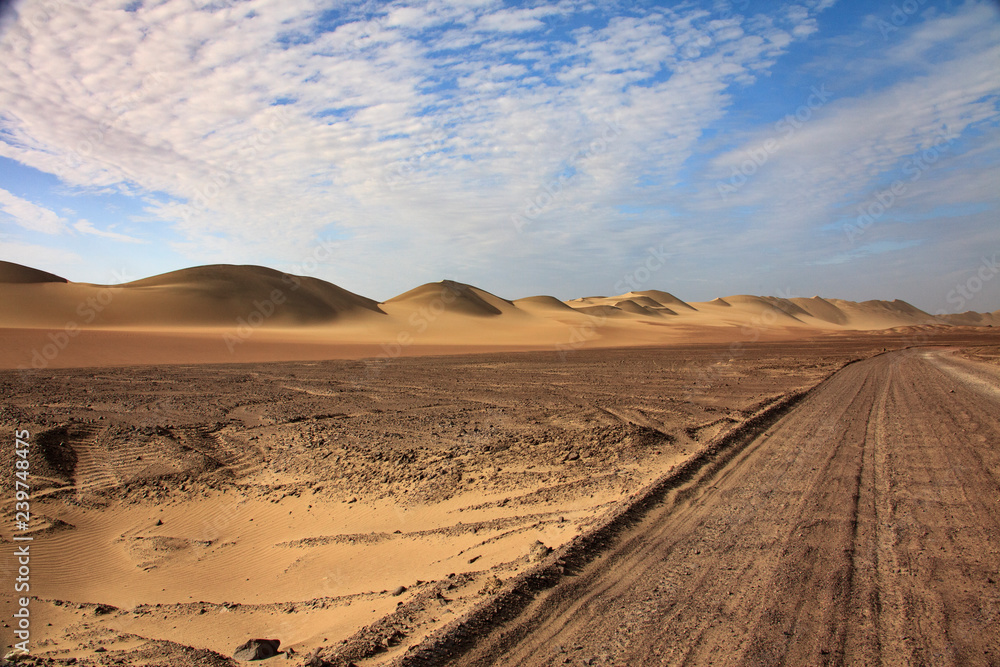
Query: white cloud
(55, 260)
(844, 150)
(29, 215)
(415, 130)
(511, 20)
(86, 227)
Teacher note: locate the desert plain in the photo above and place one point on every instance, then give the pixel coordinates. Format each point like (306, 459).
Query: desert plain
(449, 477)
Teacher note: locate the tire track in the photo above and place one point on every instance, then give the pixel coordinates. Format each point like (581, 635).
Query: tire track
(238, 461)
(93, 472)
(860, 529)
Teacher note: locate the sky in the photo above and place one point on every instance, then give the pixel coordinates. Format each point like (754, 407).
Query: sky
(844, 148)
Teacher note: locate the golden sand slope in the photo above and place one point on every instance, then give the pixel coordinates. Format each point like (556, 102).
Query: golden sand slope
(974, 319)
(15, 273)
(206, 296)
(252, 313)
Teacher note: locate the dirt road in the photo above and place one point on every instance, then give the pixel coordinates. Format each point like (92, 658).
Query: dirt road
(861, 528)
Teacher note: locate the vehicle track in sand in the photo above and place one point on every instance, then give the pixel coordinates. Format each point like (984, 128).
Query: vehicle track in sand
(861, 528)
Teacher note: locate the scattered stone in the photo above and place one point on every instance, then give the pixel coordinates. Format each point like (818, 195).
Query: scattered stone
(102, 609)
(492, 585)
(538, 551)
(572, 456)
(399, 590)
(100, 649)
(159, 522)
(257, 649)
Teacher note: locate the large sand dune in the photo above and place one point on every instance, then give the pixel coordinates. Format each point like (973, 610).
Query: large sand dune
(253, 313)
(15, 273)
(206, 296)
(974, 319)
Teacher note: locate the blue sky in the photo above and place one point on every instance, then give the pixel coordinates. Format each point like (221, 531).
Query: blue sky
(835, 147)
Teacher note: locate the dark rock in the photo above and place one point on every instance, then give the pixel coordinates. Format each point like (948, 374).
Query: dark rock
(257, 649)
(399, 590)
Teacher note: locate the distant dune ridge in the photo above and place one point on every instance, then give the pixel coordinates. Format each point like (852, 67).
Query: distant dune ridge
(15, 273)
(239, 303)
(453, 297)
(209, 296)
(973, 319)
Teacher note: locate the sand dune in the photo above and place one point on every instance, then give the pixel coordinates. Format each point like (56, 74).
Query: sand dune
(756, 306)
(821, 309)
(631, 306)
(207, 296)
(15, 273)
(873, 315)
(453, 297)
(543, 303)
(647, 302)
(298, 297)
(602, 311)
(663, 298)
(973, 319)
(211, 312)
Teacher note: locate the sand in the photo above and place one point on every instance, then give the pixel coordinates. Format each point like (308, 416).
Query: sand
(202, 505)
(227, 313)
(228, 452)
(852, 524)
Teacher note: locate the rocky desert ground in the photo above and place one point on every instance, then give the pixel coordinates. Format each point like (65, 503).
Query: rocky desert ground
(504, 508)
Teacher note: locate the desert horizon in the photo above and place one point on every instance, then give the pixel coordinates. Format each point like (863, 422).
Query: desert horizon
(232, 463)
(219, 313)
